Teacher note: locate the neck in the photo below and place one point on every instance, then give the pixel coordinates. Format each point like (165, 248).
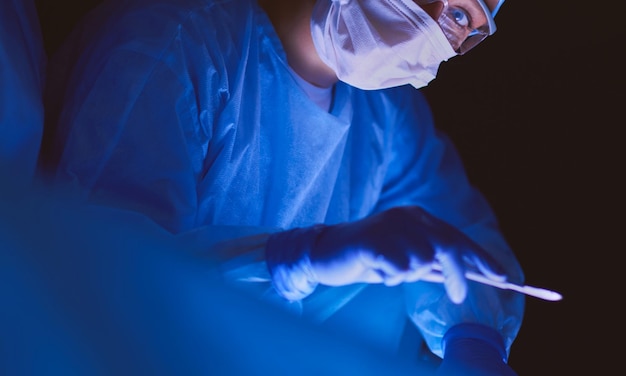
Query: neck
(291, 20)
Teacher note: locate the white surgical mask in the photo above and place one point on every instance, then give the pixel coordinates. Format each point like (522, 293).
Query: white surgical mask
(376, 44)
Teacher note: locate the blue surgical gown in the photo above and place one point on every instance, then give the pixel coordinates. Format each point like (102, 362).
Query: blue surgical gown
(22, 71)
(186, 111)
(117, 297)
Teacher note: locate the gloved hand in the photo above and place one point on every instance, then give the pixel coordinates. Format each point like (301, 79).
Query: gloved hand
(398, 245)
(473, 350)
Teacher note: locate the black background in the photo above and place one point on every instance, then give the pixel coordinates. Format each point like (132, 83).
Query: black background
(536, 114)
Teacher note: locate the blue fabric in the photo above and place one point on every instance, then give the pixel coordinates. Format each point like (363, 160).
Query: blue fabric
(22, 71)
(474, 350)
(99, 291)
(485, 334)
(186, 111)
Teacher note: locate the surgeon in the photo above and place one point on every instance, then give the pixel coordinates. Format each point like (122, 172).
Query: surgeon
(22, 75)
(289, 139)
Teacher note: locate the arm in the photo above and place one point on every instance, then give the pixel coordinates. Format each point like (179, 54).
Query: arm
(129, 140)
(130, 137)
(427, 171)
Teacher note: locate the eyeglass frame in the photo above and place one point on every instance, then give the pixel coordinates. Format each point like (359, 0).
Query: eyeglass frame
(475, 36)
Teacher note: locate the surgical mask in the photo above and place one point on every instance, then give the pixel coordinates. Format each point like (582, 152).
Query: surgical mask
(376, 44)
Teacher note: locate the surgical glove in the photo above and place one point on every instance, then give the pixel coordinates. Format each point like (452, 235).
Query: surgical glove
(402, 244)
(473, 350)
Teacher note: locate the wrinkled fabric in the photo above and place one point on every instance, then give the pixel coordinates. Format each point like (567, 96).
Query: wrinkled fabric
(22, 73)
(186, 111)
(354, 39)
(100, 291)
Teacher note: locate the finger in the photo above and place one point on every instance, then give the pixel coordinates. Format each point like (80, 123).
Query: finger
(453, 271)
(418, 270)
(448, 236)
(474, 255)
(379, 269)
(486, 264)
(394, 280)
(413, 261)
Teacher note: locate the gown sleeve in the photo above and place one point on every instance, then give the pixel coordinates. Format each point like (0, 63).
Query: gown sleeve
(124, 140)
(427, 171)
(130, 136)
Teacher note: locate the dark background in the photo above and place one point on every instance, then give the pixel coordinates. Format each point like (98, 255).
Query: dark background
(536, 112)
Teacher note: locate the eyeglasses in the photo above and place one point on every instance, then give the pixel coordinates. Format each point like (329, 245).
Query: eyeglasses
(465, 23)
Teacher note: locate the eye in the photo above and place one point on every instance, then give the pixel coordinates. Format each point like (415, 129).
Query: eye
(460, 17)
